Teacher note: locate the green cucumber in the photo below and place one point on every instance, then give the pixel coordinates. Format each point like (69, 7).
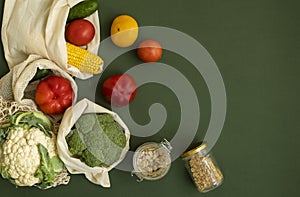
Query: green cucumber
(83, 9)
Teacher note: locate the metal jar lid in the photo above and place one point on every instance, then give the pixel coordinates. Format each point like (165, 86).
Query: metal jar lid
(194, 151)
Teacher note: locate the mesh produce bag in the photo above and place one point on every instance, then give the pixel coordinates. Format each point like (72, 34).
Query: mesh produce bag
(97, 175)
(37, 27)
(8, 108)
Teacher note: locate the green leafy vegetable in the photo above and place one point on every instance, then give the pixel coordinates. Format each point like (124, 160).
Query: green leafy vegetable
(49, 167)
(57, 164)
(33, 119)
(4, 173)
(27, 120)
(3, 132)
(14, 117)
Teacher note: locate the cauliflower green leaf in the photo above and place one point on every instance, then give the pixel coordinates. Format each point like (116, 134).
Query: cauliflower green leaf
(4, 173)
(33, 119)
(48, 169)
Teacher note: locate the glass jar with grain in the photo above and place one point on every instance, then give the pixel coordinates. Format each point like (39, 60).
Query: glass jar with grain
(203, 168)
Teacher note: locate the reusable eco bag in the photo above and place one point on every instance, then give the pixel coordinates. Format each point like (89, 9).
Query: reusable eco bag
(97, 175)
(37, 27)
(17, 86)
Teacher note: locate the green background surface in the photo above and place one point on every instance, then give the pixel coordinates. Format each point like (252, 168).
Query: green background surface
(256, 46)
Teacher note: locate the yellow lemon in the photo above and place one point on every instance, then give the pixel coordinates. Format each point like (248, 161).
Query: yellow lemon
(124, 31)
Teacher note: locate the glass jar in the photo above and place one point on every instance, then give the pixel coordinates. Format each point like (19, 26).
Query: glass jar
(152, 161)
(203, 168)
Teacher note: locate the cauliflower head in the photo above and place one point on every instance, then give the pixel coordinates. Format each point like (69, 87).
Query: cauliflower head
(20, 155)
(28, 154)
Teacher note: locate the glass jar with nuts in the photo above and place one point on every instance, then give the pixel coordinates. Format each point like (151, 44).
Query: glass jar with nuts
(151, 160)
(203, 168)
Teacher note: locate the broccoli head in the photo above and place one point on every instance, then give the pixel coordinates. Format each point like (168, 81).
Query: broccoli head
(85, 123)
(115, 133)
(98, 139)
(89, 159)
(75, 142)
(104, 119)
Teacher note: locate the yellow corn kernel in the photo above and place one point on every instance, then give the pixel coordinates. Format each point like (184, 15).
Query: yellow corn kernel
(84, 60)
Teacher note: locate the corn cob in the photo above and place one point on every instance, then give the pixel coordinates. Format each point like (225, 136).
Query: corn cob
(84, 60)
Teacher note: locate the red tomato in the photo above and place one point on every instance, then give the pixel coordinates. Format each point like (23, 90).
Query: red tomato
(119, 90)
(80, 32)
(54, 95)
(149, 51)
